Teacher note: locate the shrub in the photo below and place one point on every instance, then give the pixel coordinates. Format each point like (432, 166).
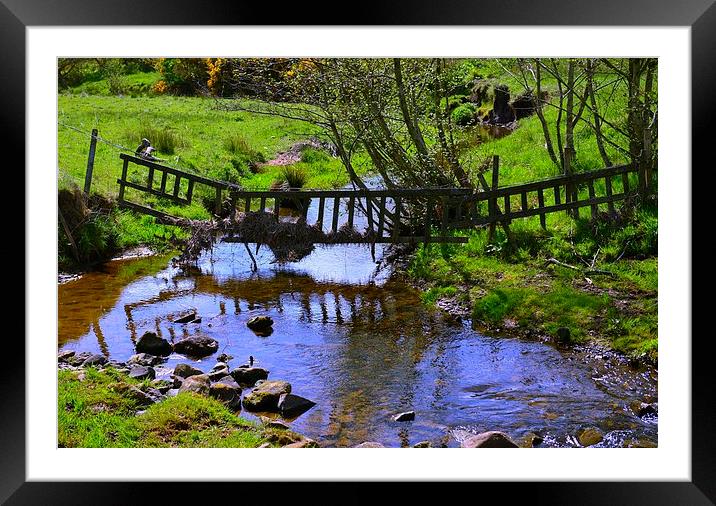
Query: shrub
(313, 155)
(464, 114)
(162, 139)
(296, 177)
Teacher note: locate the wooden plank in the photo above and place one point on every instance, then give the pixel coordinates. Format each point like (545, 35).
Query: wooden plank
(483, 181)
(369, 215)
(396, 220)
(177, 186)
(524, 201)
(557, 195)
(336, 208)
(351, 210)
(144, 189)
(277, 208)
(608, 184)
(176, 172)
(232, 213)
(217, 201)
(90, 164)
(508, 209)
(575, 200)
(556, 208)
(625, 182)
(189, 191)
(381, 216)
(492, 209)
(163, 184)
(122, 181)
(445, 214)
(146, 210)
(247, 204)
(321, 204)
(383, 240)
(262, 204)
(150, 178)
(595, 208)
(542, 216)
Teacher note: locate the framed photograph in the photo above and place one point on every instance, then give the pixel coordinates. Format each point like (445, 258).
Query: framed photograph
(422, 230)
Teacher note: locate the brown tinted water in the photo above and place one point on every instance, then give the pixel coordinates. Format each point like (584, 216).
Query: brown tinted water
(361, 346)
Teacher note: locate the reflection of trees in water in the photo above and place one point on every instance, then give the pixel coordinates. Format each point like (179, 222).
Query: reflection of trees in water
(82, 303)
(383, 334)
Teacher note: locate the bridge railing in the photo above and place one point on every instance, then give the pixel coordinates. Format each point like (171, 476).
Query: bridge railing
(396, 215)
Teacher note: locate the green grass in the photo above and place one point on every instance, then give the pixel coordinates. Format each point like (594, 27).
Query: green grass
(511, 281)
(191, 133)
(99, 412)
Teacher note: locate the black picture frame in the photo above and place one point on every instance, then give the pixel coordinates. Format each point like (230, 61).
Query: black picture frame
(700, 15)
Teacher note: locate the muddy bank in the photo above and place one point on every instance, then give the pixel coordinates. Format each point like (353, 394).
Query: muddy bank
(127, 254)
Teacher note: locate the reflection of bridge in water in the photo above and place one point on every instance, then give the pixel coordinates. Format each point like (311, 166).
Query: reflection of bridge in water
(368, 306)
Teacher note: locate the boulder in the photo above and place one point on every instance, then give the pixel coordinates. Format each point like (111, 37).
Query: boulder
(144, 359)
(216, 374)
(196, 346)
(406, 416)
(369, 444)
(186, 318)
(79, 358)
(141, 372)
(265, 396)
(185, 370)
(224, 357)
(228, 380)
(290, 405)
(154, 394)
(142, 398)
(276, 424)
(64, 356)
(423, 444)
(198, 384)
(491, 439)
(249, 375)
(260, 323)
(524, 105)
(564, 335)
(153, 345)
(228, 394)
(94, 360)
(162, 385)
(502, 112)
(643, 409)
(589, 436)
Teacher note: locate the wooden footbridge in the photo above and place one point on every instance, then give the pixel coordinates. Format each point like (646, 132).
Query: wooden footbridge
(394, 215)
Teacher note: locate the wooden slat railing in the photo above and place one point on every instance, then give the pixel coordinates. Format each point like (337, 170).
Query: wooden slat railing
(397, 215)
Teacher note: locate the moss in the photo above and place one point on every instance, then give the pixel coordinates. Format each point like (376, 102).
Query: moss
(100, 412)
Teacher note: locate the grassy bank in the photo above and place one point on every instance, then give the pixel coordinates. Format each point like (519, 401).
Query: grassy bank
(190, 133)
(509, 284)
(99, 411)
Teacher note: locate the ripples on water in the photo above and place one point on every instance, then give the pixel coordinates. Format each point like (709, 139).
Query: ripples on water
(363, 347)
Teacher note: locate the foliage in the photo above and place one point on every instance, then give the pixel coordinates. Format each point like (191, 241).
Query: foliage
(464, 114)
(294, 175)
(182, 76)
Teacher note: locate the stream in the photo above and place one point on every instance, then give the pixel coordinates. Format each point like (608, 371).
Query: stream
(359, 344)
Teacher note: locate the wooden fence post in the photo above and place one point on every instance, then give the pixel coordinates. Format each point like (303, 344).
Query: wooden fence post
(571, 188)
(492, 207)
(90, 162)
